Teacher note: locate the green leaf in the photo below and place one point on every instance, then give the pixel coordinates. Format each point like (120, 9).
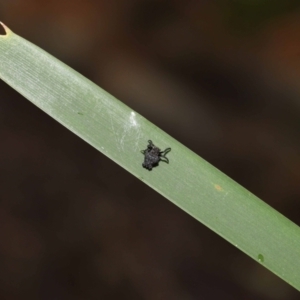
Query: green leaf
(120, 133)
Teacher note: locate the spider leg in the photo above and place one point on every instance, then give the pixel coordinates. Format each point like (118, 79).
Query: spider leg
(163, 155)
(143, 151)
(165, 152)
(165, 159)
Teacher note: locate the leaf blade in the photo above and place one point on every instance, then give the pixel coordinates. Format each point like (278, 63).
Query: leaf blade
(120, 133)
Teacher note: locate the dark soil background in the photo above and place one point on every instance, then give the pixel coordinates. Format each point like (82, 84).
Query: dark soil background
(222, 77)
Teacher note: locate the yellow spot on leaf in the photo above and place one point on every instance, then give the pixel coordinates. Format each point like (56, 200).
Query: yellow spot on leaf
(218, 188)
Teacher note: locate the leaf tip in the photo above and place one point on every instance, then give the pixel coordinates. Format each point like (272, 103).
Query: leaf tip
(6, 29)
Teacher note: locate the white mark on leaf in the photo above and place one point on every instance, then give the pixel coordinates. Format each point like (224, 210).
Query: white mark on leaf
(132, 119)
(225, 196)
(132, 131)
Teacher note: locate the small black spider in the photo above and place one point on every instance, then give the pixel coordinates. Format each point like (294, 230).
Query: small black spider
(153, 156)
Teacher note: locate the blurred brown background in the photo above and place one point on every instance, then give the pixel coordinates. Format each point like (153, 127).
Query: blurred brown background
(222, 77)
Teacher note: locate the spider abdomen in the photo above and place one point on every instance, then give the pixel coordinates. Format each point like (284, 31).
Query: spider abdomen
(153, 156)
